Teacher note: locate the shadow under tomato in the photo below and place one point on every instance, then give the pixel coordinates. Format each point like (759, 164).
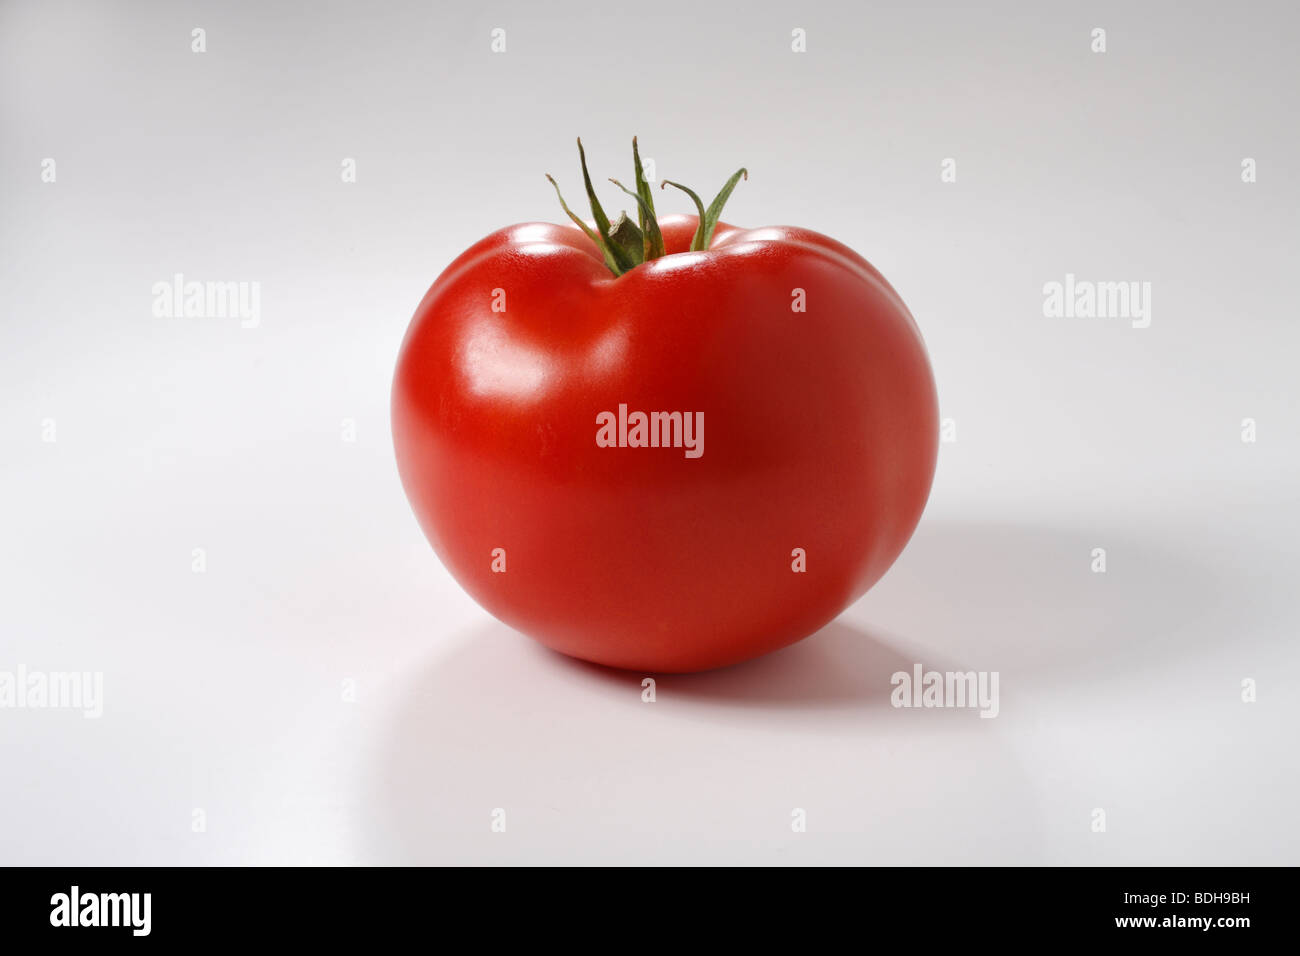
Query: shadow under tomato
(586, 771)
(842, 665)
(1026, 601)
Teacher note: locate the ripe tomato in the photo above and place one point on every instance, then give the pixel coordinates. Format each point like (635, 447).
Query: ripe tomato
(792, 477)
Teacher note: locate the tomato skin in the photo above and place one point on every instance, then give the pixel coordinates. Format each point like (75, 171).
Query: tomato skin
(820, 433)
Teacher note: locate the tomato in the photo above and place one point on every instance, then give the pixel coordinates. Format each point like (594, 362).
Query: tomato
(668, 465)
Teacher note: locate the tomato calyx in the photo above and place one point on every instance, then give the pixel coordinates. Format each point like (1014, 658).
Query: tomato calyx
(625, 244)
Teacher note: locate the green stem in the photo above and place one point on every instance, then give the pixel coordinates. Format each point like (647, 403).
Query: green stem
(654, 239)
(624, 244)
(591, 233)
(626, 236)
(715, 208)
(697, 241)
(620, 256)
(646, 207)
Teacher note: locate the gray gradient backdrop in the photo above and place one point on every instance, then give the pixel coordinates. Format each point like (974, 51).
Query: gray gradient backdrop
(1119, 691)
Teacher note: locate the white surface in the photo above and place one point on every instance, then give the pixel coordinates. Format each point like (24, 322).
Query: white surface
(223, 690)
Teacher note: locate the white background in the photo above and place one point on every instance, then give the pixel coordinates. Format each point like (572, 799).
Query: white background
(223, 690)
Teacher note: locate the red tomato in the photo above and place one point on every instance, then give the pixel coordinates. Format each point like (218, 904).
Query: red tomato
(817, 449)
